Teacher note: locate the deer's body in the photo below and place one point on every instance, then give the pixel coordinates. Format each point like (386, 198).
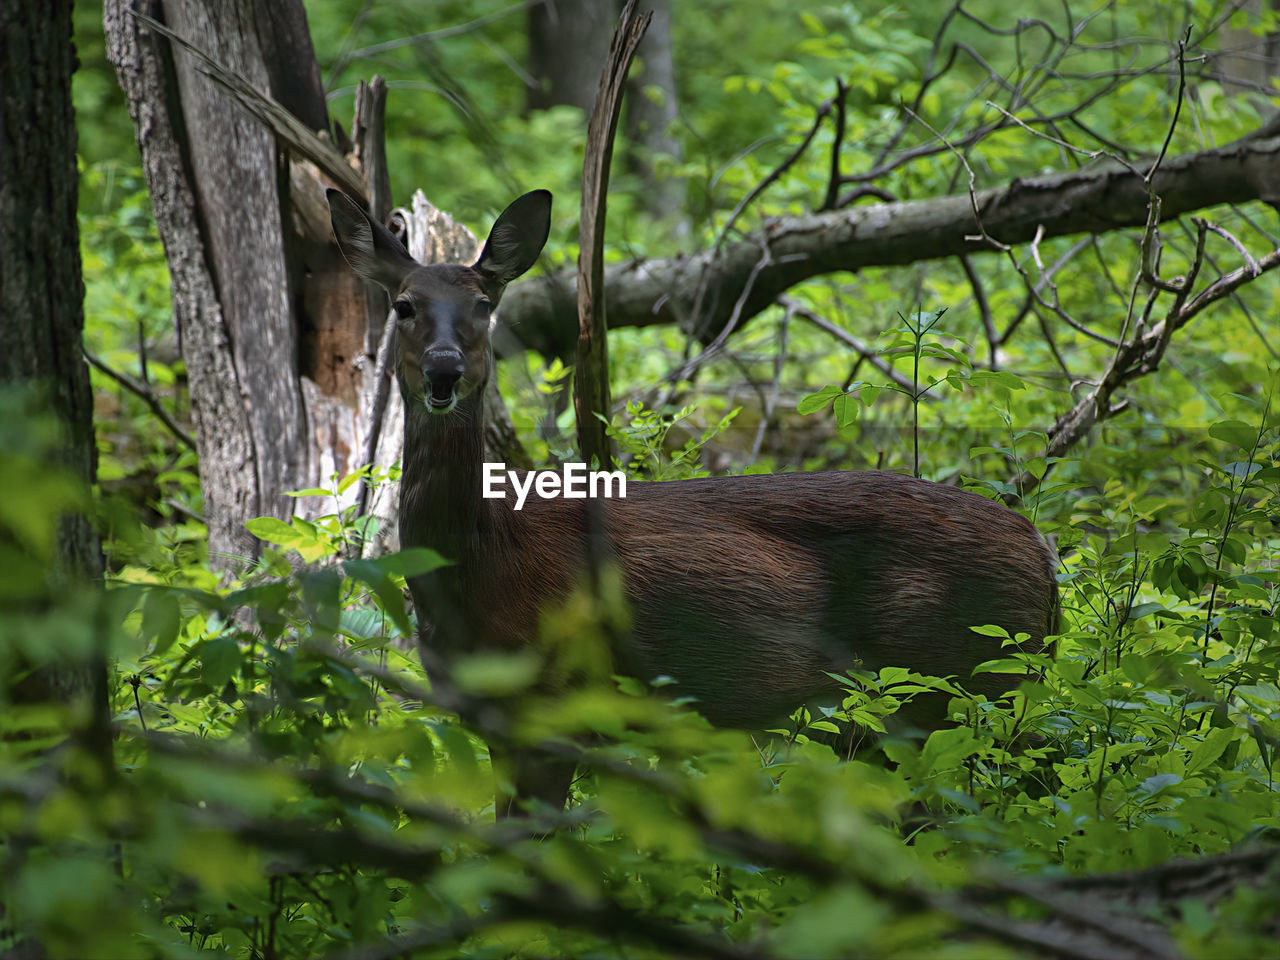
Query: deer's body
(745, 590)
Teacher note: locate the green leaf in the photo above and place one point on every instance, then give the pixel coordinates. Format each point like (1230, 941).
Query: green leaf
(410, 562)
(946, 748)
(825, 726)
(991, 630)
(1210, 748)
(272, 530)
(1140, 610)
(1235, 432)
(1157, 782)
(816, 401)
(496, 674)
(220, 658)
(846, 410)
(350, 479)
(302, 535)
(377, 574)
(1135, 668)
(161, 620)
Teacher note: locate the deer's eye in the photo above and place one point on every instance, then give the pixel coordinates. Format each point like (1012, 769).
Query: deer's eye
(403, 309)
(482, 309)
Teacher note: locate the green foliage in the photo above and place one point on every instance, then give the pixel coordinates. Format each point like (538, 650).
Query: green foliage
(919, 338)
(642, 443)
(286, 781)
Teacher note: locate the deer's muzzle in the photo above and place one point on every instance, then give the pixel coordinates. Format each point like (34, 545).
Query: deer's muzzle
(441, 371)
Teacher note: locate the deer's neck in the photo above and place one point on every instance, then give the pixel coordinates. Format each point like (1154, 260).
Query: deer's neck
(440, 482)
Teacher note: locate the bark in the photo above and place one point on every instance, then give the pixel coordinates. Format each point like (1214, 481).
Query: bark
(279, 336)
(568, 43)
(591, 383)
(271, 324)
(41, 326)
(244, 243)
(1246, 61)
(791, 250)
(41, 291)
(651, 110)
(228, 469)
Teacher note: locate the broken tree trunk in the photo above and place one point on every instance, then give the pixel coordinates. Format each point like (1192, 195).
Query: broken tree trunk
(279, 337)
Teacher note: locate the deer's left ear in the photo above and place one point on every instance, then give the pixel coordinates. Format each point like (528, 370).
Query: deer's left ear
(515, 241)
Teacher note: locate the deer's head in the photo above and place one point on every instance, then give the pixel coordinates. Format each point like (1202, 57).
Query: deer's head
(444, 312)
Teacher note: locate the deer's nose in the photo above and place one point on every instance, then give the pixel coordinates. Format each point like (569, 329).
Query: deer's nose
(442, 369)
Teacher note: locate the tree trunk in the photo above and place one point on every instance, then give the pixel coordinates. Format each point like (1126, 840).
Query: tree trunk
(41, 325)
(568, 44)
(41, 292)
(1246, 61)
(651, 110)
(220, 190)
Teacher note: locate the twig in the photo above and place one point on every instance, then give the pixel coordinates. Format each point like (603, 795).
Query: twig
(745, 202)
(442, 34)
(686, 369)
(186, 511)
(865, 351)
(973, 186)
(144, 392)
(833, 182)
(866, 190)
(1177, 107)
(283, 124)
(381, 394)
(1230, 238)
(984, 307)
(771, 399)
(1134, 358)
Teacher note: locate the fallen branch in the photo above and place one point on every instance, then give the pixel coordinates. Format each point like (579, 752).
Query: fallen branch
(1099, 199)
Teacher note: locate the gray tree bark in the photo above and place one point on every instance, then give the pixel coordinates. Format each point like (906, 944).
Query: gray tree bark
(213, 288)
(272, 325)
(1247, 61)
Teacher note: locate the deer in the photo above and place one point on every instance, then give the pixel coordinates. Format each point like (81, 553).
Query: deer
(748, 591)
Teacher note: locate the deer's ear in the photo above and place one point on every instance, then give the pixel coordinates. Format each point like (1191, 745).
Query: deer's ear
(368, 246)
(517, 238)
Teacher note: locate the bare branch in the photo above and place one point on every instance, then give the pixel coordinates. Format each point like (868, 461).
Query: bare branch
(864, 350)
(144, 393)
(1136, 357)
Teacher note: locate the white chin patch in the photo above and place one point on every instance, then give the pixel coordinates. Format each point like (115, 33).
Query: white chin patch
(440, 411)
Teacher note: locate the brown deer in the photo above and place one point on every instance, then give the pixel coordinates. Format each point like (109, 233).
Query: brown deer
(745, 590)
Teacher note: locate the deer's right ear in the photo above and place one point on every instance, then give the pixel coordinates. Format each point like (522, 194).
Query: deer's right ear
(368, 246)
